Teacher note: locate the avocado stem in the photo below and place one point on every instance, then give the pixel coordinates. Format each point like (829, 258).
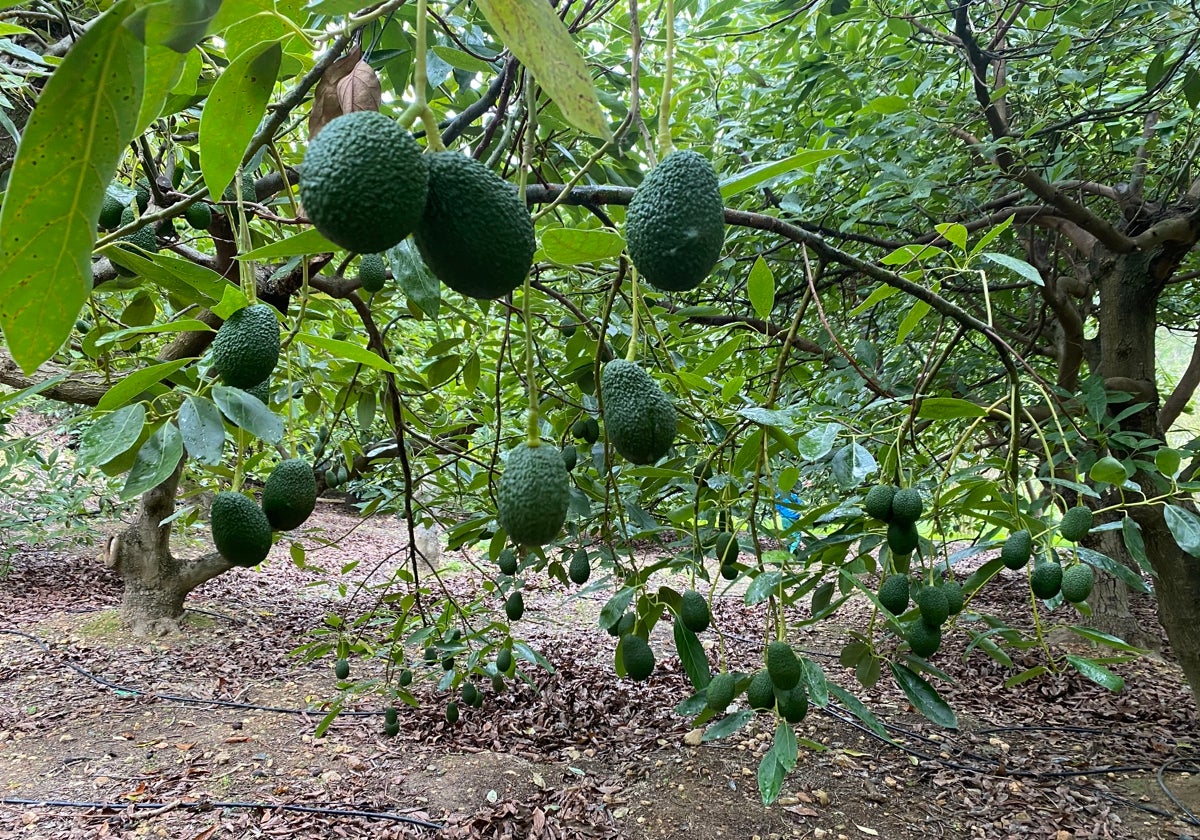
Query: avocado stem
(533, 436)
(664, 105)
(634, 305)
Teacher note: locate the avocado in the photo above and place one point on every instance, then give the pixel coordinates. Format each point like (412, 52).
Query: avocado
(625, 624)
(893, 594)
(198, 215)
(341, 669)
(675, 225)
(793, 704)
(693, 611)
(1076, 523)
(111, 210)
(507, 561)
(570, 457)
(907, 505)
(638, 415)
(1016, 550)
(953, 591)
(371, 273)
(240, 530)
(143, 238)
(720, 691)
(726, 548)
(879, 502)
(289, 494)
(1077, 582)
(248, 193)
(504, 661)
(406, 678)
(451, 712)
(933, 605)
(638, 658)
(476, 235)
(923, 638)
(580, 569)
(246, 347)
(782, 665)
(514, 606)
(532, 494)
(902, 537)
(364, 182)
(761, 693)
(1046, 580)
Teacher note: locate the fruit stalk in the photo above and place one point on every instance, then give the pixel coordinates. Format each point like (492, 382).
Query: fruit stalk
(533, 435)
(664, 106)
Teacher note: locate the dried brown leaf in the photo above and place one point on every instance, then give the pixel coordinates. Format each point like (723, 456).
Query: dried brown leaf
(359, 90)
(327, 104)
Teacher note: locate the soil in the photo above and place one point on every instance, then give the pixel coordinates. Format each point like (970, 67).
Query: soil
(213, 733)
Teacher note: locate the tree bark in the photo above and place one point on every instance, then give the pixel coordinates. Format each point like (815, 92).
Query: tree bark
(155, 581)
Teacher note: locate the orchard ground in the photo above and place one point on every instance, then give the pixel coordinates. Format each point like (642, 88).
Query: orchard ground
(574, 754)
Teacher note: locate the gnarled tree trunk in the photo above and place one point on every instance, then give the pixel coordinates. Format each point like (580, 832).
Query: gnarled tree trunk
(157, 582)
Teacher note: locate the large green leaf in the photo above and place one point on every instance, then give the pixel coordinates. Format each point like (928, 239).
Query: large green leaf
(761, 172)
(85, 116)
(248, 412)
(347, 351)
(532, 30)
(1185, 528)
(308, 242)
(572, 246)
(233, 111)
(1096, 672)
(771, 774)
(1115, 568)
(203, 430)
(110, 436)
(851, 465)
(155, 461)
(760, 288)
(728, 725)
(924, 697)
(138, 381)
(691, 654)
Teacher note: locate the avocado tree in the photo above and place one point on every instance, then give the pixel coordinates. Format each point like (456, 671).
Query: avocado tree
(907, 262)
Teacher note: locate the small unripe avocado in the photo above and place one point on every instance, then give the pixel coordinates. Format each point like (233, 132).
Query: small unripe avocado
(879, 502)
(1017, 549)
(720, 691)
(793, 704)
(406, 678)
(729, 571)
(240, 530)
(514, 606)
(893, 594)
(364, 182)
(371, 273)
(907, 505)
(507, 561)
(902, 537)
(142, 238)
(504, 661)
(431, 655)
(110, 211)
(341, 669)
(624, 625)
(693, 611)
(1077, 583)
(933, 605)
(761, 693)
(953, 591)
(1076, 523)
(637, 656)
(198, 215)
(580, 569)
(782, 665)
(726, 548)
(923, 638)
(246, 347)
(471, 695)
(451, 712)
(586, 429)
(532, 495)
(570, 457)
(639, 416)
(1046, 580)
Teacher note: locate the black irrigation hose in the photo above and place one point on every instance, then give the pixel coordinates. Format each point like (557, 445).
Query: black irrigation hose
(177, 698)
(208, 806)
(1189, 765)
(1188, 817)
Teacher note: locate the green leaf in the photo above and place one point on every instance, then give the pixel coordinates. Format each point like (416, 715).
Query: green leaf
(1016, 266)
(691, 654)
(814, 682)
(924, 697)
(1025, 676)
(851, 465)
(85, 117)
(421, 287)
(202, 429)
(176, 24)
(881, 292)
(888, 104)
(616, 606)
(1110, 470)
(955, 233)
(786, 750)
(137, 382)
(991, 235)
(760, 288)
(1185, 528)
(532, 30)
(186, 325)
(233, 111)
(247, 412)
(770, 777)
(1104, 639)
(860, 711)
(308, 242)
(1117, 569)
(1096, 672)
(947, 408)
(1168, 461)
(573, 246)
(154, 462)
(463, 61)
(907, 253)
(909, 322)
(762, 172)
(1131, 532)
(816, 443)
(110, 436)
(346, 351)
(763, 587)
(728, 725)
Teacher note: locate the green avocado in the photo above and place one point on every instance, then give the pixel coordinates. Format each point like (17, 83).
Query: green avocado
(341, 669)
(476, 235)
(289, 494)
(675, 225)
(693, 611)
(532, 494)
(923, 638)
(240, 530)
(879, 502)
(198, 216)
(639, 417)
(638, 658)
(110, 211)
(364, 182)
(721, 691)
(514, 606)
(1016, 550)
(782, 665)
(935, 608)
(893, 594)
(580, 569)
(504, 661)
(902, 537)
(1076, 523)
(246, 347)
(1077, 582)
(907, 505)
(761, 693)
(507, 561)
(371, 273)
(793, 704)
(1046, 580)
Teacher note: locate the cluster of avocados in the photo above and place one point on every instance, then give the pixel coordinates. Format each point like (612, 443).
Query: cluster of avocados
(115, 212)
(241, 529)
(1047, 578)
(777, 686)
(366, 185)
(900, 508)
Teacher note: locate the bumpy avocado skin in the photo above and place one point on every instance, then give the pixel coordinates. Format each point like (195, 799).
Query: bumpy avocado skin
(476, 235)
(290, 494)
(532, 495)
(240, 529)
(364, 182)
(639, 417)
(246, 347)
(675, 227)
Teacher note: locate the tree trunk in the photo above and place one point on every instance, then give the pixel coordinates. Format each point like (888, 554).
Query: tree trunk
(1128, 320)
(1110, 599)
(156, 582)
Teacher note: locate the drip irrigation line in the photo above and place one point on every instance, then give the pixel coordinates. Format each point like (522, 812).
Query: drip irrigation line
(209, 806)
(179, 698)
(1179, 765)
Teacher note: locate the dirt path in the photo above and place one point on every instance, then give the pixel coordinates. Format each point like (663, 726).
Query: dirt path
(173, 736)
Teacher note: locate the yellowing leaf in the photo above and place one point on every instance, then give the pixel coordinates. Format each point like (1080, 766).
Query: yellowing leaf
(85, 117)
(532, 30)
